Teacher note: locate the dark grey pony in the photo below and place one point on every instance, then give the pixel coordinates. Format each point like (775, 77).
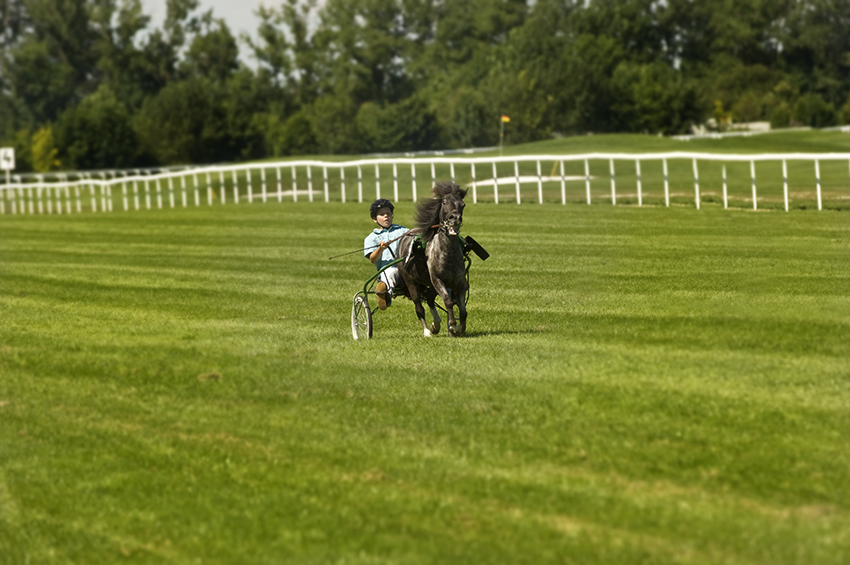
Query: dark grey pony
(434, 262)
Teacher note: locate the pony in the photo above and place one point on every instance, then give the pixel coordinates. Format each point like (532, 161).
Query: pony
(434, 261)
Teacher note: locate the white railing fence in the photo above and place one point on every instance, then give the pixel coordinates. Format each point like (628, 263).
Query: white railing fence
(681, 178)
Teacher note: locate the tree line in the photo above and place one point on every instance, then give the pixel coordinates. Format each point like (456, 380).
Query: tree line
(88, 84)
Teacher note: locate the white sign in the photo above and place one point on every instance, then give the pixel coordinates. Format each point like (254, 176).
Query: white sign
(7, 158)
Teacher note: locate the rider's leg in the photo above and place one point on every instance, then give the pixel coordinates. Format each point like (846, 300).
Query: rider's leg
(388, 280)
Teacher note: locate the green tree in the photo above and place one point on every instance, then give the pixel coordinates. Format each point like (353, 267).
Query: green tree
(405, 126)
(97, 134)
(844, 115)
(51, 65)
(296, 136)
(44, 151)
(213, 52)
(184, 123)
(332, 123)
(816, 47)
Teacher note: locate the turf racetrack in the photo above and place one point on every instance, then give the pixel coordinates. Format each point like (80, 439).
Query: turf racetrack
(638, 385)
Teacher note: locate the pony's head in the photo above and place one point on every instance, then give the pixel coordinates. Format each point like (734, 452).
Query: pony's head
(444, 210)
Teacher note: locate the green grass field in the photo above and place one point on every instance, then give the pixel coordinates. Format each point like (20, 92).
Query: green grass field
(638, 385)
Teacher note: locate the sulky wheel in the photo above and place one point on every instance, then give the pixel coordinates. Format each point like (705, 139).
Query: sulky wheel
(361, 318)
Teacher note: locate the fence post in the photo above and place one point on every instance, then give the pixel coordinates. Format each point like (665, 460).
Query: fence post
(452, 170)
(516, 178)
(123, 192)
(785, 183)
(359, 184)
(26, 195)
(79, 199)
(22, 192)
(248, 176)
(14, 199)
(495, 183)
(148, 191)
(279, 186)
(613, 183)
(539, 184)
(67, 194)
(413, 176)
(310, 183)
(563, 185)
(102, 195)
(294, 185)
(696, 183)
(197, 189)
(325, 178)
(209, 189)
(222, 186)
(666, 185)
(474, 187)
(105, 201)
(725, 191)
(42, 193)
(263, 178)
(587, 179)
(235, 186)
(38, 194)
(171, 190)
(342, 182)
(183, 189)
(91, 190)
(817, 177)
(753, 176)
(136, 190)
(639, 185)
(395, 182)
(433, 175)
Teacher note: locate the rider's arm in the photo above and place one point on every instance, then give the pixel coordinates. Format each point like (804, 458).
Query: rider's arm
(376, 254)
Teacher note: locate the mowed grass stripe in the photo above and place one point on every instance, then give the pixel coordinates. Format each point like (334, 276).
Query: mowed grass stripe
(638, 385)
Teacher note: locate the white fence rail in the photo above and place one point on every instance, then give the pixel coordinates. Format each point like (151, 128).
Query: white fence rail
(496, 179)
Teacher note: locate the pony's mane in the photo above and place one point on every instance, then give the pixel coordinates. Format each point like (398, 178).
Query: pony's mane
(428, 211)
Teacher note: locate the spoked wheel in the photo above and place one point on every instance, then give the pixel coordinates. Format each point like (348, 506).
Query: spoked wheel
(361, 318)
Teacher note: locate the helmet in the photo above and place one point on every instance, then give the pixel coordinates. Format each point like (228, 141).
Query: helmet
(378, 204)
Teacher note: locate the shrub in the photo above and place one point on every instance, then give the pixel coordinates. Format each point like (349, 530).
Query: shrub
(44, 151)
(812, 110)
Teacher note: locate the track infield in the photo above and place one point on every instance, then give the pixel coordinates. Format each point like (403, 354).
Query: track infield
(638, 385)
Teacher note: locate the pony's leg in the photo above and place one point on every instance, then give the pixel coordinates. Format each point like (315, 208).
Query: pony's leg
(420, 310)
(448, 301)
(435, 314)
(461, 307)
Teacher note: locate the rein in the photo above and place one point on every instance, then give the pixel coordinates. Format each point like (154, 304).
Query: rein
(414, 231)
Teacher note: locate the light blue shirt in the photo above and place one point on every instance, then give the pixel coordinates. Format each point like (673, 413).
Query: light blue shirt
(380, 234)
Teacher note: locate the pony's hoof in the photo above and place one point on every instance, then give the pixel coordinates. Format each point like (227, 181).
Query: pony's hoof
(434, 329)
(427, 333)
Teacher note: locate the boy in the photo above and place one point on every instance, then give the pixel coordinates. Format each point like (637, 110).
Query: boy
(380, 251)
